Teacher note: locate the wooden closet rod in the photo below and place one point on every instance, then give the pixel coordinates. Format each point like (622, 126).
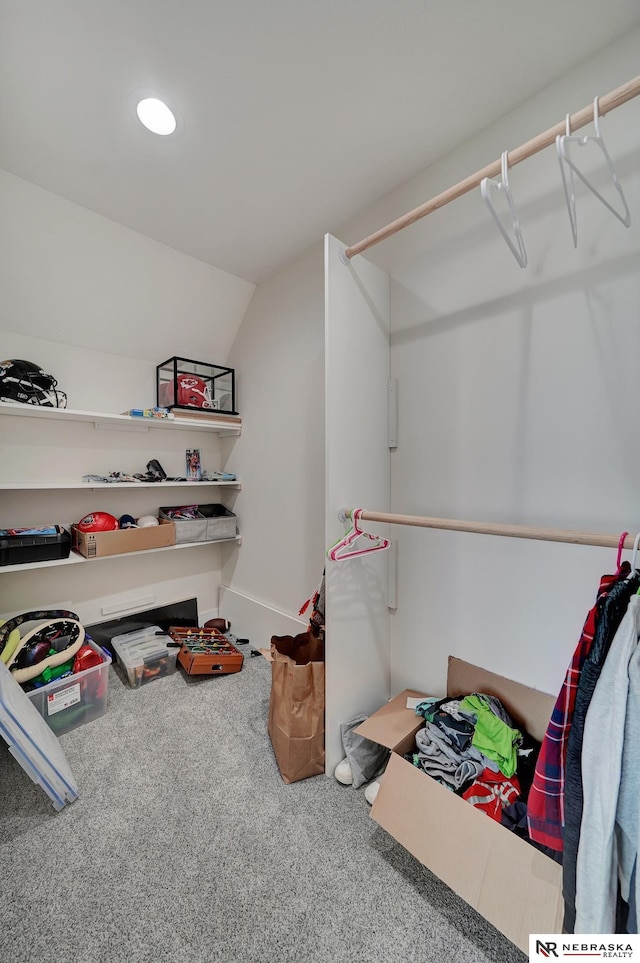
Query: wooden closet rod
(583, 117)
(498, 528)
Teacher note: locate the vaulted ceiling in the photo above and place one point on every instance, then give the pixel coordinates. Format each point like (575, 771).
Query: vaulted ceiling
(292, 114)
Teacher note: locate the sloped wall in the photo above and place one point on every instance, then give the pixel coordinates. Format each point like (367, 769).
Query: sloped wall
(74, 277)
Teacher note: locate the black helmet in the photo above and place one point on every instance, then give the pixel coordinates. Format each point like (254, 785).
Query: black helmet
(24, 382)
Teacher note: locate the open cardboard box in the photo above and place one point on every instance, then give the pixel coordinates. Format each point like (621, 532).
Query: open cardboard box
(100, 544)
(512, 884)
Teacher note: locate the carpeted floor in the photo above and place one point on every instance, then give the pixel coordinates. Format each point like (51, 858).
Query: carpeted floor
(185, 846)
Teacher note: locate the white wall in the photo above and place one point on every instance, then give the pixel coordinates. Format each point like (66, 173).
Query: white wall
(475, 346)
(516, 394)
(487, 356)
(279, 357)
(99, 306)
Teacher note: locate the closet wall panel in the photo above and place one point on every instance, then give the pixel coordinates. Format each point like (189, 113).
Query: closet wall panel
(357, 472)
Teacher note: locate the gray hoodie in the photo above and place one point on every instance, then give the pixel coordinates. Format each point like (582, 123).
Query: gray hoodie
(602, 753)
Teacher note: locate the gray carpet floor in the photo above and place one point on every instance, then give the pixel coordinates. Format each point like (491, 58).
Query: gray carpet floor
(185, 846)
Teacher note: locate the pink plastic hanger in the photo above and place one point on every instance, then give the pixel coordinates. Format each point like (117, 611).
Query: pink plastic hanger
(620, 547)
(346, 547)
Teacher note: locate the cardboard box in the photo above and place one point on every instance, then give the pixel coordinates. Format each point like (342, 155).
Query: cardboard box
(99, 544)
(512, 884)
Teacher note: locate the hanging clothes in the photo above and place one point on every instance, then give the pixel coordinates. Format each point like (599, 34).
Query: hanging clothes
(545, 806)
(612, 609)
(627, 826)
(602, 749)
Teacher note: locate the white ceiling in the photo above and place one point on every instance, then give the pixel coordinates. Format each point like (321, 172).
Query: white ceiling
(294, 114)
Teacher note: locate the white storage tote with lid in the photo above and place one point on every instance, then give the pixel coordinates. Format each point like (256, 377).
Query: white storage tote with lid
(145, 654)
(33, 744)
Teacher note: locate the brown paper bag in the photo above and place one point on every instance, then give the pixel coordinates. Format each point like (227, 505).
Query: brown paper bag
(296, 706)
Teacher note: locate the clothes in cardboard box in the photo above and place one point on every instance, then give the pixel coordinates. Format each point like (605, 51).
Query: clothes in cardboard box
(471, 747)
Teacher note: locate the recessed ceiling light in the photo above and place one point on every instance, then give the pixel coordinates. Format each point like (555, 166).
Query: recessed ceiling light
(156, 116)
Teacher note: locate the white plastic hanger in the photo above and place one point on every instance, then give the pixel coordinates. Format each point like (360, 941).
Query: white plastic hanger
(634, 557)
(563, 142)
(568, 181)
(345, 547)
(489, 185)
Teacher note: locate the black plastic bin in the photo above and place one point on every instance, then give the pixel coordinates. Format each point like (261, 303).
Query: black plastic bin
(22, 545)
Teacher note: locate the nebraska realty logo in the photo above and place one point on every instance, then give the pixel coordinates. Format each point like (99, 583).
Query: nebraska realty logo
(552, 947)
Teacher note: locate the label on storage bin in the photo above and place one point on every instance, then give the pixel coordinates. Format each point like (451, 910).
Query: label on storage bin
(63, 699)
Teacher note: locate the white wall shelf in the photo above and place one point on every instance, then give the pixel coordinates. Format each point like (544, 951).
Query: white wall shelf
(114, 423)
(122, 422)
(75, 559)
(113, 486)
